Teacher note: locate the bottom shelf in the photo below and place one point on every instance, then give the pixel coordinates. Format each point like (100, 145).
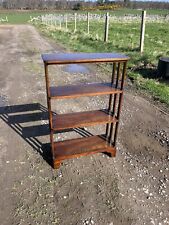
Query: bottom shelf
(80, 147)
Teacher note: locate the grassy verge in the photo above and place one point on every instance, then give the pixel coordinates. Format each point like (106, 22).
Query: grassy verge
(141, 68)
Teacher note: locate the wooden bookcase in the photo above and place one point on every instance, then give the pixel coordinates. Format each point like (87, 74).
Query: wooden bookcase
(59, 122)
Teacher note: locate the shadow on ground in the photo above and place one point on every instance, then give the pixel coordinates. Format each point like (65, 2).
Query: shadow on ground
(18, 115)
(150, 73)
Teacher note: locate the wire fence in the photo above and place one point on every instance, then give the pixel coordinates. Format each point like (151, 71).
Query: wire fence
(100, 25)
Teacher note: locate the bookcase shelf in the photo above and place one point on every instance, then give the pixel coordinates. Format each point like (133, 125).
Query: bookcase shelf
(62, 150)
(81, 119)
(81, 146)
(75, 91)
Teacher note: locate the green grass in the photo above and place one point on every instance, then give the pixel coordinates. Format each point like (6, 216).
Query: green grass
(159, 91)
(123, 38)
(17, 18)
(23, 16)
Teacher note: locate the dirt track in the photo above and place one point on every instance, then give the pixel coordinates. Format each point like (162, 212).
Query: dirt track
(132, 188)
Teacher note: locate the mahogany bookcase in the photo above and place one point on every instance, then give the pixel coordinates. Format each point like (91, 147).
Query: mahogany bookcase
(62, 150)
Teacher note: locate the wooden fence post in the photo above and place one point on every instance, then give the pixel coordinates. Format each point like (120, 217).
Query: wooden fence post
(60, 21)
(66, 22)
(51, 20)
(142, 33)
(75, 21)
(106, 32)
(55, 21)
(88, 22)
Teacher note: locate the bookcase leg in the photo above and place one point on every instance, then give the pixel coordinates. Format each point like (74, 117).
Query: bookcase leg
(56, 164)
(113, 153)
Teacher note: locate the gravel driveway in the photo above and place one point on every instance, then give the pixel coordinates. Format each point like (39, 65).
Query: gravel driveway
(132, 188)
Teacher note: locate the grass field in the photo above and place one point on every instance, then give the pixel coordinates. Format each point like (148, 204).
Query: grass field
(123, 37)
(21, 17)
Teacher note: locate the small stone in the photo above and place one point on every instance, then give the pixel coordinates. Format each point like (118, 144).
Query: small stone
(152, 221)
(146, 191)
(121, 194)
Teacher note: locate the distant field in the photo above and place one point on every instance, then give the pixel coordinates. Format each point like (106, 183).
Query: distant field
(19, 17)
(136, 11)
(22, 17)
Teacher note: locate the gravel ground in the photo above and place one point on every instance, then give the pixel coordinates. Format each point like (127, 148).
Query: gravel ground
(132, 188)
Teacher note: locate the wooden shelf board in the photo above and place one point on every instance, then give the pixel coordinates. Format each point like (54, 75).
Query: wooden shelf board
(81, 119)
(75, 91)
(81, 146)
(68, 58)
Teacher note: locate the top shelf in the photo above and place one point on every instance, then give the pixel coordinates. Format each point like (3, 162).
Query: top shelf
(71, 58)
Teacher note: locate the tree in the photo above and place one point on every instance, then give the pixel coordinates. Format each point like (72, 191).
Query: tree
(100, 2)
(77, 6)
(126, 2)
